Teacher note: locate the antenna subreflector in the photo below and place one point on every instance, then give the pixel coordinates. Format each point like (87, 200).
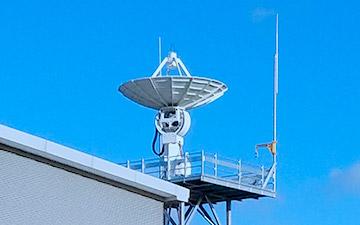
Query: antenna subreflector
(172, 93)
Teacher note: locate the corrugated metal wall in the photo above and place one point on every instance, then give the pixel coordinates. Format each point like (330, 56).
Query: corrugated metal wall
(35, 193)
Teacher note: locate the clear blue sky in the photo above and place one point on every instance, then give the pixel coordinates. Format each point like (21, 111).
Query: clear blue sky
(61, 63)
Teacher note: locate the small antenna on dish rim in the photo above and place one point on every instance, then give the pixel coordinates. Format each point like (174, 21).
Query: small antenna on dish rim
(159, 52)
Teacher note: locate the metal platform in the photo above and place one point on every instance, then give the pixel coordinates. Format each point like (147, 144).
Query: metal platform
(220, 178)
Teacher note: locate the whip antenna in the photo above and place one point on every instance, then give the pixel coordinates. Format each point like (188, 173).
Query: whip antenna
(272, 145)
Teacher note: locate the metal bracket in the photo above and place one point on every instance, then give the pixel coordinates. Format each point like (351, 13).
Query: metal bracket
(269, 146)
(169, 61)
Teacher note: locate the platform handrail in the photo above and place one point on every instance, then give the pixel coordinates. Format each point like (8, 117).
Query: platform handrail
(202, 164)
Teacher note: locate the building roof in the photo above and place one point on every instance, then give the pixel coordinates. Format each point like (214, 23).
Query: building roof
(92, 165)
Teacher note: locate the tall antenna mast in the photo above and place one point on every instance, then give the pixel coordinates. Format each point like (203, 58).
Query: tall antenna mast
(272, 145)
(276, 79)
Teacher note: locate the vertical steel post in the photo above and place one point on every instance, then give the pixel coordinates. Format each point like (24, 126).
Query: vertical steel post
(228, 212)
(142, 165)
(182, 213)
(239, 171)
(166, 220)
(128, 164)
(202, 163)
(215, 165)
(168, 169)
(185, 160)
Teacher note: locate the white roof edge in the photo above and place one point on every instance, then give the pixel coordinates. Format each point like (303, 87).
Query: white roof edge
(91, 164)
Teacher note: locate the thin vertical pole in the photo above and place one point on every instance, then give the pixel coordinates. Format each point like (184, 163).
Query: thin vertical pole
(276, 86)
(182, 213)
(166, 220)
(202, 163)
(276, 73)
(185, 165)
(215, 165)
(160, 53)
(239, 171)
(228, 212)
(168, 168)
(142, 165)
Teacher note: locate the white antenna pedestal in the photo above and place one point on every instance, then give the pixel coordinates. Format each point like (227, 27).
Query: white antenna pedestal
(173, 123)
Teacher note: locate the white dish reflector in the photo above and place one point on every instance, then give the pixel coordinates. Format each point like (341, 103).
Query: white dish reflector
(186, 92)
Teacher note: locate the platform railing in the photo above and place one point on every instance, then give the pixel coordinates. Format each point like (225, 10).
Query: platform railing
(194, 165)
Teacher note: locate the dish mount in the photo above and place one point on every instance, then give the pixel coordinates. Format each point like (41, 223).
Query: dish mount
(172, 94)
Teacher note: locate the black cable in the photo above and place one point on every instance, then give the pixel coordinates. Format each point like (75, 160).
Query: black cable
(154, 143)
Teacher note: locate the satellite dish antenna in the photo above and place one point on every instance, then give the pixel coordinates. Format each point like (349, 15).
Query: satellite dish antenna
(172, 93)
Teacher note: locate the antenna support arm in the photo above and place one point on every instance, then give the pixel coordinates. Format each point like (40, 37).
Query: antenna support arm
(269, 146)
